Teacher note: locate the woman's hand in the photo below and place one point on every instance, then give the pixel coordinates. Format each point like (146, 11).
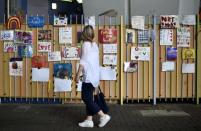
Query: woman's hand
(77, 78)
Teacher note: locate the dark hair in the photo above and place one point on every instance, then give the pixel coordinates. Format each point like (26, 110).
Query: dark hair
(87, 33)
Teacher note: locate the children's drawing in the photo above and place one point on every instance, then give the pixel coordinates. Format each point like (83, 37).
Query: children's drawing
(140, 53)
(188, 53)
(110, 48)
(7, 35)
(60, 21)
(166, 37)
(23, 37)
(54, 56)
(70, 53)
(130, 36)
(36, 21)
(44, 47)
(107, 35)
(25, 50)
(137, 22)
(169, 21)
(130, 66)
(44, 35)
(10, 47)
(171, 53)
(65, 35)
(39, 62)
(63, 70)
(110, 59)
(143, 36)
(15, 67)
(183, 37)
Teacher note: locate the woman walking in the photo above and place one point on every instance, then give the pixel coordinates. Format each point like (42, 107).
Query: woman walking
(89, 67)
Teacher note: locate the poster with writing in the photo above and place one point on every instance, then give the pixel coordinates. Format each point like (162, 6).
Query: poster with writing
(62, 85)
(188, 19)
(63, 70)
(130, 67)
(25, 50)
(188, 53)
(188, 68)
(23, 37)
(143, 36)
(166, 37)
(108, 73)
(171, 53)
(130, 36)
(138, 22)
(110, 59)
(39, 62)
(140, 53)
(70, 53)
(183, 37)
(7, 35)
(10, 47)
(169, 21)
(60, 21)
(168, 66)
(110, 48)
(15, 67)
(44, 46)
(44, 35)
(90, 21)
(40, 75)
(35, 21)
(54, 56)
(107, 35)
(65, 35)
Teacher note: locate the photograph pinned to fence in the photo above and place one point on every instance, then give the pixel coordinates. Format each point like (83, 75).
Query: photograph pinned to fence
(15, 66)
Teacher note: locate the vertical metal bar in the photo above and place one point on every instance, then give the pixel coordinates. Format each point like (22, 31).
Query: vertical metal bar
(121, 61)
(155, 63)
(198, 61)
(26, 63)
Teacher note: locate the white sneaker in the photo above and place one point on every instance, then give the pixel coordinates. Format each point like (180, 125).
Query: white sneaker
(86, 123)
(104, 120)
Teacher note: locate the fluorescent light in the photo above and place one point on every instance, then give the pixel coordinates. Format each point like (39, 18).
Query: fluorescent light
(80, 1)
(54, 6)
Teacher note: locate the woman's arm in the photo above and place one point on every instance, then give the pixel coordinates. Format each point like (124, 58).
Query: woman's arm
(79, 72)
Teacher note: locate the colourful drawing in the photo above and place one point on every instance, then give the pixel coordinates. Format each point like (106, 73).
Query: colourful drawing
(36, 21)
(70, 53)
(166, 36)
(188, 53)
(143, 36)
(39, 62)
(130, 66)
(14, 23)
(107, 36)
(44, 47)
(23, 37)
(25, 50)
(60, 21)
(7, 35)
(140, 53)
(15, 67)
(65, 35)
(54, 56)
(10, 47)
(63, 70)
(183, 37)
(171, 53)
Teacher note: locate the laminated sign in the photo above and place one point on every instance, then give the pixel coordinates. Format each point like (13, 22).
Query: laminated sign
(169, 21)
(39, 62)
(15, 67)
(108, 36)
(60, 21)
(7, 35)
(36, 21)
(188, 54)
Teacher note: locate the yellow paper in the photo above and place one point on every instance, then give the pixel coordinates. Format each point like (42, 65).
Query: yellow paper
(188, 54)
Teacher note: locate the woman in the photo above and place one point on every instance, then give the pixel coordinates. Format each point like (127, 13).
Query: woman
(89, 67)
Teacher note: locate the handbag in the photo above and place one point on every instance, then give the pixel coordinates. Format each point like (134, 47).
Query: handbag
(99, 99)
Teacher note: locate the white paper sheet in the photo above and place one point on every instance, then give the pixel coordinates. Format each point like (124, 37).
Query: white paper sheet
(188, 19)
(169, 21)
(107, 73)
(44, 46)
(54, 56)
(7, 35)
(130, 66)
(69, 53)
(168, 66)
(62, 85)
(10, 46)
(65, 35)
(137, 22)
(166, 37)
(110, 59)
(110, 48)
(183, 37)
(41, 75)
(188, 68)
(18, 71)
(140, 53)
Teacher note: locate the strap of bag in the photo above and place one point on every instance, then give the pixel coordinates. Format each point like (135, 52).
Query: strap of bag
(99, 88)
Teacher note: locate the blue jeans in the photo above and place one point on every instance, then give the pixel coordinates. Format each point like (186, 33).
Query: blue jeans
(87, 96)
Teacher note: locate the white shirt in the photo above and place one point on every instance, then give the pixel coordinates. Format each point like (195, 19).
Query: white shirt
(90, 61)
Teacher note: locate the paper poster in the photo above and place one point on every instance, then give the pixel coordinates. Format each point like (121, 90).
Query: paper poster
(15, 67)
(60, 21)
(140, 53)
(183, 37)
(25, 50)
(107, 35)
(62, 85)
(63, 70)
(10, 47)
(35, 21)
(41, 75)
(130, 66)
(44, 35)
(70, 53)
(188, 19)
(130, 36)
(138, 22)
(23, 37)
(90, 21)
(171, 53)
(44, 47)
(79, 86)
(143, 36)
(39, 62)
(110, 48)
(166, 37)
(65, 35)
(107, 73)
(169, 21)
(188, 53)
(188, 68)
(110, 59)
(7, 35)
(13, 22)
(54, 56)
(168, 66)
